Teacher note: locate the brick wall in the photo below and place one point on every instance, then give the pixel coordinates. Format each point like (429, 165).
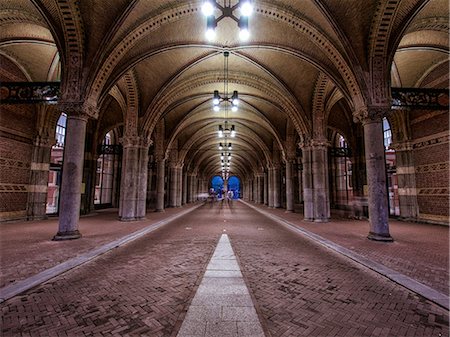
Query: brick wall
(16, 134)
(431, 159)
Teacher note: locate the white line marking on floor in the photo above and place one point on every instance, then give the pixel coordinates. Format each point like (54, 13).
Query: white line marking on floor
(222, 305)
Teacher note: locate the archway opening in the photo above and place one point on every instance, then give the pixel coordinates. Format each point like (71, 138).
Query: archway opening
(217, 185)
(234, 184)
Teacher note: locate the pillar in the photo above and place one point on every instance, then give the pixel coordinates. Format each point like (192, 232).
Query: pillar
(160, 177)
(376, 176)
(133, 189)
(185, 188)
(141, 204)
(320, 182)
(300, 181)
(276, 187)
(308, 203)
(72, 175)
(406, 177)
(289, 186)
(179, 185)
(265, 190)
(173, 185)
(270, 187)
(40, 165)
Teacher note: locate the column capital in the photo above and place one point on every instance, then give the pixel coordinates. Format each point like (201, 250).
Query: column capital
(74, 110)
(370, 114)
(304, 142)
(317, 143)
(135, 141)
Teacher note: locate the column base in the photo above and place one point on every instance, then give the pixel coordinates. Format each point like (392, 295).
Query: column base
(321, 220)
(128, 219)
(160, 210)
(288, 211)
(380, 237)
(72, 235)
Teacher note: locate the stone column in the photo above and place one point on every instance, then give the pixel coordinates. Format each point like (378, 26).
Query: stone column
(173, 185)
(265, 190)
(376, 175)
(308, 203)
(289, 186)
(276, 187)
(406, 176)
(40, 165)
(180, 190)
(128, 187)
(72, 174)
(300, 181)
(320, 181)
(141, 204)
(185, 187)
(160, 177)
(270, 187)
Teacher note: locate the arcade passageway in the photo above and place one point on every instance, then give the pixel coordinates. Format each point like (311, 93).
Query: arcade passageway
(297, 287)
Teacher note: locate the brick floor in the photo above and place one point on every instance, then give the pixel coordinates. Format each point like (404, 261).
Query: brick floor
(145, 287)
(26, 248)
(420, 251)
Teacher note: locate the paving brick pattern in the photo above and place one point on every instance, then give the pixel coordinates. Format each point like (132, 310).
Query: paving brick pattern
(26, 248)
(145, 287)
(304, 290)
(139, 289)
(420, 251)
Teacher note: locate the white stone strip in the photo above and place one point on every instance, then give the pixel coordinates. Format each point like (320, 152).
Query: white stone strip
(19, 287)
(222, 305)
(403, 280)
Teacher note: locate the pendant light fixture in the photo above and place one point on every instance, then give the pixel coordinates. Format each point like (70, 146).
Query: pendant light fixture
(245, 8)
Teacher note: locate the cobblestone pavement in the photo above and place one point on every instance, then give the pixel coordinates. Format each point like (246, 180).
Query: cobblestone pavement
(145, 287)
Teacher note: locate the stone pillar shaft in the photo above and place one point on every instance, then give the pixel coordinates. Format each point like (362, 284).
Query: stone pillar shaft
(185, 188)
(308, 204)
(173, 186)
(289, 187)
(160, 176)
(320, 183)
(265, 189)
(270, 188)
(406, 176)
(179, 186)
(276, 187)
(72, 176)
(376, 180)
(37, 194)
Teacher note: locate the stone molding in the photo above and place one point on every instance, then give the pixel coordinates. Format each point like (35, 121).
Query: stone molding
(370, 114)
(135, 142)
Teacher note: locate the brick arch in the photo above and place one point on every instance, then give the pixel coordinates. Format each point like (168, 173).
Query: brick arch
(380, 32)
(132, 111)
(8, 16)
(318, 113)
(283, 15)
(175, 92)
(72, 55)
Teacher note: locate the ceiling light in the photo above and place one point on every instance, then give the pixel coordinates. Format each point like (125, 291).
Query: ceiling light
(207, 8)
(227, 10)
(246, 8)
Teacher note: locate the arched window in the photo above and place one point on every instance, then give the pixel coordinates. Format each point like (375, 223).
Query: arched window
(107, 168)
(341, 174)
(387, 134)
(54, 173)
(391, 170)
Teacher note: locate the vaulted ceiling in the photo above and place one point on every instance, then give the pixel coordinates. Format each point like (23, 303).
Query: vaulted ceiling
(299, 52)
